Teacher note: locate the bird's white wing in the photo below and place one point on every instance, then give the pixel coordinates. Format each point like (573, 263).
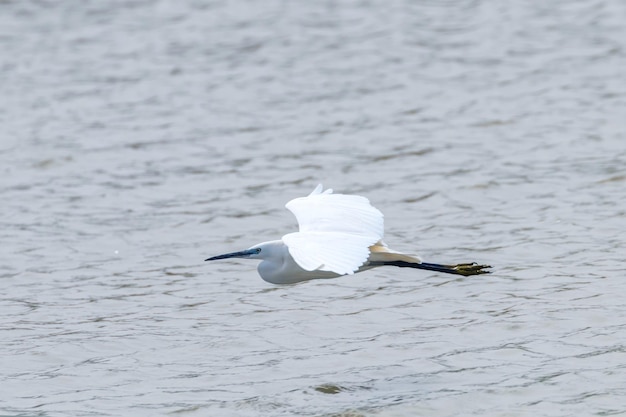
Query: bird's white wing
(336, 231)
(327, 212)
(340, 253)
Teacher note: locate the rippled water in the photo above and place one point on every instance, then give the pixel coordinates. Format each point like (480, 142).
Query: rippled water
(140, 137)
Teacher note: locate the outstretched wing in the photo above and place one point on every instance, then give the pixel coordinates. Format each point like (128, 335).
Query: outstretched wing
(336, 231)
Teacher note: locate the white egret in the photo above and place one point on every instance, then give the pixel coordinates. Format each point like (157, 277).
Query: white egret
(339, 235)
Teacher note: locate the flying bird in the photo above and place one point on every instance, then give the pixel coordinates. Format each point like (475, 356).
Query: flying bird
(338, 235)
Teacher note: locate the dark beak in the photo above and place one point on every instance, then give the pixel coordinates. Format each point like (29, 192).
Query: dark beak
(240, 254)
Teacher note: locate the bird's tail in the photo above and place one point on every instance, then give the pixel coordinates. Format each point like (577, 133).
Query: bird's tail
(382, 255)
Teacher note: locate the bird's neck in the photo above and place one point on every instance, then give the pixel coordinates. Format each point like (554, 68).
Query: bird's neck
(276, 261)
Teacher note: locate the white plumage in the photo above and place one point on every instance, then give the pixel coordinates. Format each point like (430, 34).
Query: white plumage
(336, 231)
(338, 235)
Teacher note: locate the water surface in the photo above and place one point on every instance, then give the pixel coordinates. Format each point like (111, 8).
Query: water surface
(139, 138)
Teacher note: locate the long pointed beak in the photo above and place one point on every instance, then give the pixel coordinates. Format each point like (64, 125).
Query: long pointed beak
(240, 254)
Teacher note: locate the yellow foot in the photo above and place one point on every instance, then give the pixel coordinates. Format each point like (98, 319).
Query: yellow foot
(471, 269)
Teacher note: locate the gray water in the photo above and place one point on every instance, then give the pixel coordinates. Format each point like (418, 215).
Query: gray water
(140, 137)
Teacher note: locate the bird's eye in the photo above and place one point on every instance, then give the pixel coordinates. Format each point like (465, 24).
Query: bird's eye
(258, 250)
